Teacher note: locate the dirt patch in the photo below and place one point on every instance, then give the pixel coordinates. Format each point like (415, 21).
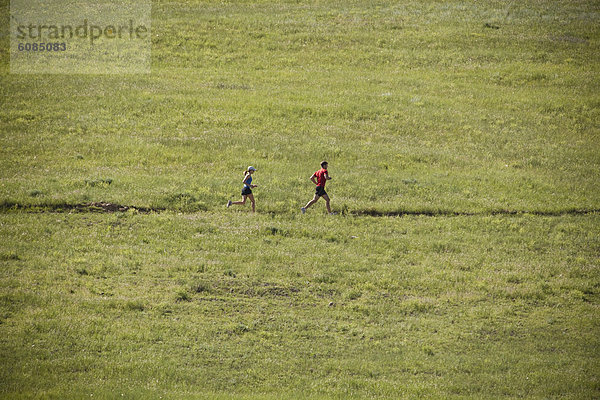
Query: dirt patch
(95, 206)
(448, 213)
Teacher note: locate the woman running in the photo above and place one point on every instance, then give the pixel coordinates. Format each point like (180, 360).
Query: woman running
(247, 190)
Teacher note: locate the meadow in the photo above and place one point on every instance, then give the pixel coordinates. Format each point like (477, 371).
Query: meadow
(464, 142)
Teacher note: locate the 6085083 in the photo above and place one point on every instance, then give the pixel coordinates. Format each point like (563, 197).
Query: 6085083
(42, 47)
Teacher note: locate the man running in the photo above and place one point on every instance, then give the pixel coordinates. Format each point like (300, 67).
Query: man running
(319, 178)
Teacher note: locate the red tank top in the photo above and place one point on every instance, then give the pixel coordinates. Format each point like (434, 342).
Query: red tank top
(320, 174)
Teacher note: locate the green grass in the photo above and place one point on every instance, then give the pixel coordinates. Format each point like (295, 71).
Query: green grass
(184, 305)
(477, 123)
(415, 106)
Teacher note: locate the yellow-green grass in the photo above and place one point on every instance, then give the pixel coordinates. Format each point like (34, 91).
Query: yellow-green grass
(417, 106)
(475, 122)
(196, 305)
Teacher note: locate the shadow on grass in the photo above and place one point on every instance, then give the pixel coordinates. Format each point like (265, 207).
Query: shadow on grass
(450, 213)
(105, 207)
(97, 207)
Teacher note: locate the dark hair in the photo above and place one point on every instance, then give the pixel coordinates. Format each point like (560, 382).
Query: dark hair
(323, 164)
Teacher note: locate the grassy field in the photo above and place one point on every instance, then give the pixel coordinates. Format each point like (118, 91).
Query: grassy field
(194, 304)
(464, 142)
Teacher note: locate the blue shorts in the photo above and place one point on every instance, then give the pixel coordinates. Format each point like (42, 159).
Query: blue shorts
(246, 191)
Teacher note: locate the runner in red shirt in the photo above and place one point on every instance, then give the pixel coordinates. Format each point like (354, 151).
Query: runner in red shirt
(319, 178)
